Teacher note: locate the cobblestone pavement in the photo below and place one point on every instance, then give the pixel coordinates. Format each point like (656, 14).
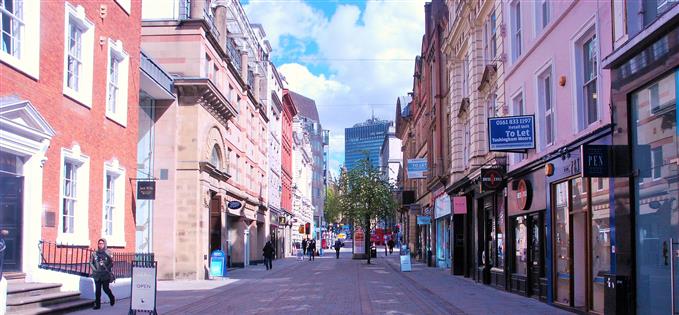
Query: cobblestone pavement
(337, 286)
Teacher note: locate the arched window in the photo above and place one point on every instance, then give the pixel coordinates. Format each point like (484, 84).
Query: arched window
(216, 157)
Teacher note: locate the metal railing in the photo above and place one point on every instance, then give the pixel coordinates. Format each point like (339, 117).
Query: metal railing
(76, 260)
(234, 55)
(251, 80)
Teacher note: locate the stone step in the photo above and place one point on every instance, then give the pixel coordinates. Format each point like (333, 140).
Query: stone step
(61, 308)
(31, 289)
(21, 303)
(14, 277)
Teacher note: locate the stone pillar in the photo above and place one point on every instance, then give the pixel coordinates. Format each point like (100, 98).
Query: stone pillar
(244, 65)
(197, 8)
(255, 89)
(220, 24)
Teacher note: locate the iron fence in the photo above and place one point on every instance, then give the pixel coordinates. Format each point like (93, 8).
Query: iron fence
(76, 260)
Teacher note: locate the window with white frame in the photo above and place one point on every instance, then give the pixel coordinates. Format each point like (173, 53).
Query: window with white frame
(74, 195)
(109, 204)
(465, 76)
(542, 15)
(515, 12)
(466, 154)
(117, 82)
(236, 169)
(490, 37)
(78, 55)
(20, 35)
(546, 107)
(587, 81)
(207, 67)
(657, 162)
(654, 95)
(491, 105)
(113, 212)
(432, 74)
(518, 109)
(252, 178)
(69, 198)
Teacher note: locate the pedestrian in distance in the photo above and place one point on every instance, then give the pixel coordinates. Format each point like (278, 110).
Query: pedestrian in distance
(338, 245)
(305, 244)
(101, 262)
(268, 255)
(312, 249)
(391, 246)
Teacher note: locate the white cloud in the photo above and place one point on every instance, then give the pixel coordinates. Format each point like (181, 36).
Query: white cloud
(368, 55)
(285, 18)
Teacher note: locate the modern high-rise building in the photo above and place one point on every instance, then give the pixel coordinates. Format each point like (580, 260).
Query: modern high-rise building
(365, 138)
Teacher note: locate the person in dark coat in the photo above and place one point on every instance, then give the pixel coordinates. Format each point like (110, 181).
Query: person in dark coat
(101, 262)
(337, 246)
(312, 249)
(391, 245)
(304, 246)
(268, 255)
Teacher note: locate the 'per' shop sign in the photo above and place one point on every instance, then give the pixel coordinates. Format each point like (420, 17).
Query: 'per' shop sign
(513, 133)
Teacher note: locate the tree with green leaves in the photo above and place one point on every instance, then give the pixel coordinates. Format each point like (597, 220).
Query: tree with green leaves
(332, 209)
(365, 198)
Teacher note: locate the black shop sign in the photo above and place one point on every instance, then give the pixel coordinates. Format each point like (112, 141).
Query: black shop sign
(491, 179)
(605, 160)
(146, 190)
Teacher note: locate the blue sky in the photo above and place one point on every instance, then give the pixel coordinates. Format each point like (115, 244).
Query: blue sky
(353, 57)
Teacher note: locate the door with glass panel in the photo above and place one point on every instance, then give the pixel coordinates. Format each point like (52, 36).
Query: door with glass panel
(535, 254)
(655, 151)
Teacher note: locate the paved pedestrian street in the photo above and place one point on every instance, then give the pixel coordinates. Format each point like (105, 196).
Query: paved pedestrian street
(336, 286)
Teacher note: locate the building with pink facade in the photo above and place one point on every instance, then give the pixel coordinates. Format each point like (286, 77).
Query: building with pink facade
(558, 218)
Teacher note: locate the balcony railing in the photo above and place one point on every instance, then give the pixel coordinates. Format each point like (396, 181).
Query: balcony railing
(76, 260)
(210, 19)
(234, 55)
(251, 79)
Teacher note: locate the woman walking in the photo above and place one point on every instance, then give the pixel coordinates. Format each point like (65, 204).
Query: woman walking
(102, 262)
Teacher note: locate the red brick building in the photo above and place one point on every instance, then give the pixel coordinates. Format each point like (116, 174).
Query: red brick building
(289, 112)
(69, 91)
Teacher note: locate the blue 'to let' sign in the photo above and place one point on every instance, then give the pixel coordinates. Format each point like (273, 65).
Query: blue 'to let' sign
(511, 133)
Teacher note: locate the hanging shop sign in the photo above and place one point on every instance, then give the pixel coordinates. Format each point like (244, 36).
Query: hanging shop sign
(235, 204)
(426, 211)
(524, 194)
(511, 134)
(146, 190)
(442, 206)
(596, 160)
(423, 220)
(282, 220)
(460, 205)
(417, 168)
(612, 160)
(491, 179)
